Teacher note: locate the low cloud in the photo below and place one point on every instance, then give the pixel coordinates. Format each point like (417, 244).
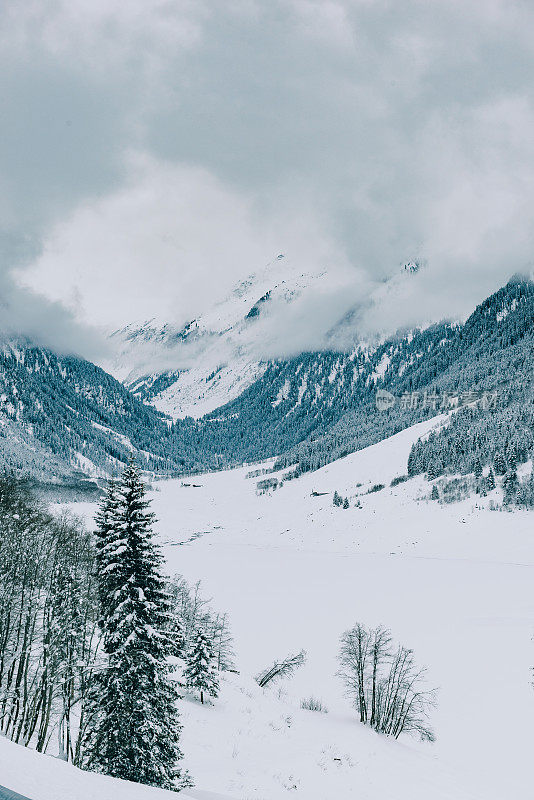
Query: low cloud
(170, 244)
(152, 154)
(23, 313)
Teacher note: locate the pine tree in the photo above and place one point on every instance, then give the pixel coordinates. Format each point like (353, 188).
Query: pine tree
(510, 486)
(529, 491)
(490, 481)
(433, 471)
(511, 457)
(108, 547)
(477, 468)
(499, 464)
(200, 674)
(346, 502)
(133, 727)
(337, 499)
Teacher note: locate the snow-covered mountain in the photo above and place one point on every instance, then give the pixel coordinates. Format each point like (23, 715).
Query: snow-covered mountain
(193, 369)
(275, 313)
(63, 418)
(307, 408)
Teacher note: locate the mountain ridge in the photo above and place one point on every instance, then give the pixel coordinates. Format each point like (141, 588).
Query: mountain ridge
(63, 415)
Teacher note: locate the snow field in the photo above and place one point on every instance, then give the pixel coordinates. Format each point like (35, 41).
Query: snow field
(41, 777)
(454, 583)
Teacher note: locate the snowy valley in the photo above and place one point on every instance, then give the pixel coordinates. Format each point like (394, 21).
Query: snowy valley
(320, 510)
(266, 400)
(292, 571)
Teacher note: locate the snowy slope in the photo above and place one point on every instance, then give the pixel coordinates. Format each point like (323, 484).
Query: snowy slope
(40, 777)
(62, 417)
(260, 745)
(294, 572)
(192, 370)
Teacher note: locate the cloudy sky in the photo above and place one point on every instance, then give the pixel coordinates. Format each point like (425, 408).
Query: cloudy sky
(152, 152)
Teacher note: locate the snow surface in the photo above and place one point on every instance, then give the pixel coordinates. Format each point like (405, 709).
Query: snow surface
(41, 777)
(197, 391)
(292, 571)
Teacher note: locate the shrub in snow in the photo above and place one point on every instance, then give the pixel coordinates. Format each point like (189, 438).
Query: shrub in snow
(376, 488)
(453, 490)
(386, 686)
(268, 483)
(312, 704)
(399, 479)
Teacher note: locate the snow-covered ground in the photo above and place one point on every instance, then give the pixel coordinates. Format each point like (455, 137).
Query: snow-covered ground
(41, 777)
(292, 571)
(201, 389)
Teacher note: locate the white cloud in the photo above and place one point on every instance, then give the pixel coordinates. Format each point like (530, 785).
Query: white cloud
(98, 34)
(352, 132)
(169, 244)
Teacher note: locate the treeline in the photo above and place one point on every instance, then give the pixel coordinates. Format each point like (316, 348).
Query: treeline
(77, 411)
(48, 621)
(488, 444)
(96, 646)
(492, 352)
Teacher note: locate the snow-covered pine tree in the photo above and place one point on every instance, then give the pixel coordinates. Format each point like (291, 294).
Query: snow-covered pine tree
(434, 470)
(510, 486)
(133, 727)
(499, 464)
(108, 546)
(511, 457)
(527, 493)
(337, 499)
(200, 673)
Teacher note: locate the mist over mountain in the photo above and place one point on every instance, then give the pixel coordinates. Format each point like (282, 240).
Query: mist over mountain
(208, 395)
(276, 313)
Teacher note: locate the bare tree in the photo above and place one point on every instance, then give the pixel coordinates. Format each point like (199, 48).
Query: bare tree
(48, 621)
(192, 613)
(281, 669)
(386, 686)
